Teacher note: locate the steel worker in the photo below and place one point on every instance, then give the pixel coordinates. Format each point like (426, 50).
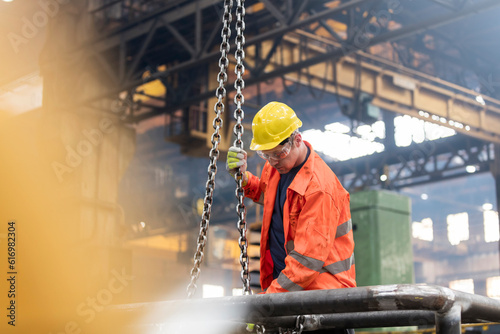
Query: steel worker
(306, 238)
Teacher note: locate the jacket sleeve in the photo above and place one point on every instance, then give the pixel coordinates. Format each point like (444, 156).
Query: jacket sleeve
(315, 234)
(256, 187)
(253, 189)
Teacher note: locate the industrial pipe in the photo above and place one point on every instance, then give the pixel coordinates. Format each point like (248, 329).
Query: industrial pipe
(386, 305)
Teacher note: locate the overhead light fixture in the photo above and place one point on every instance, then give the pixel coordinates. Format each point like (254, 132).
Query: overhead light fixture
(487, 206)
(424, 197)
(480, 100)
(423, 114)
(470, 169)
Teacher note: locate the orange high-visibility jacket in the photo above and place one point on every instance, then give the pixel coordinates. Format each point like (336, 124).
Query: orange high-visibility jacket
(318, 229)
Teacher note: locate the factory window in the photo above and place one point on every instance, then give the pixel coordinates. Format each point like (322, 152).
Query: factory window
(410, 130)
(464, 285)
(458, 227)
(211, 291)
(491, 228)
(493, 287)
(423, 230)
(346, 146)
(366, 138)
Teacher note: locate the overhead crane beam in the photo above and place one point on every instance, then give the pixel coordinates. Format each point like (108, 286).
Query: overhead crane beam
(133, 30)
(436, 97)
(405, 91)
(394, 88)
(380, 78)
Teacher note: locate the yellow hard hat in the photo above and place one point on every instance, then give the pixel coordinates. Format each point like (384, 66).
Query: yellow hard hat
(273, 123)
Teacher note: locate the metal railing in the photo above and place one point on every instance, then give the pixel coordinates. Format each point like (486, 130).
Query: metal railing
(361, 307)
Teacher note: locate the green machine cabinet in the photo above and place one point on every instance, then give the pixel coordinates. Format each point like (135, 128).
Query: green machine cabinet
(383, 249)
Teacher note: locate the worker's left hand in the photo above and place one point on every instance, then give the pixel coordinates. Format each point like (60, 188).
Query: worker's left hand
(236, 158)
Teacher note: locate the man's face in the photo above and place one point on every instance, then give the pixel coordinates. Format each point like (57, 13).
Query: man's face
(283, 157)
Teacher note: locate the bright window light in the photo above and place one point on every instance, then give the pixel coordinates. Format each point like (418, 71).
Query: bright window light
(491, 226)
(458, 227)
(337, 127)
(410, 129)
(464, 285)
(212, 291)
(336, 142)
(340, 146)
(493, 287)
(423, 230)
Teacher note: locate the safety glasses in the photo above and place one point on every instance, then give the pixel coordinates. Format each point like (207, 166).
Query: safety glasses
(285, 150)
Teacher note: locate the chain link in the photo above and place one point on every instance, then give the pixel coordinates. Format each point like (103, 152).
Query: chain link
(214, 152)
(299, 327)
(299, 324)
(260, 329)
(239, 100)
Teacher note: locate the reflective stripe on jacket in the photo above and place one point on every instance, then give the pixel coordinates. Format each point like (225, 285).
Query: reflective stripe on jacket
(318, 229)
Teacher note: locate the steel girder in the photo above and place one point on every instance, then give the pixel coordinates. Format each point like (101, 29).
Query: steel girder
(417, 164)
(139, 44)
(193, 54)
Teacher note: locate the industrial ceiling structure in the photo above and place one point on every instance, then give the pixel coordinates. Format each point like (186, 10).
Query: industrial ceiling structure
(177, 41)
(435, 60)
(153, 68)
(432, 59)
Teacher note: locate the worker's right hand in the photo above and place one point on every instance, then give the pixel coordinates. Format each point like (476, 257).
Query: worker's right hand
(236, 158)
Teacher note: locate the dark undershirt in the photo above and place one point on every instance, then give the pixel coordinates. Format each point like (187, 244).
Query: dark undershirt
(276, 231)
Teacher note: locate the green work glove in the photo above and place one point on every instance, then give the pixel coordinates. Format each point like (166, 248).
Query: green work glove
(236, 158)
(253, 328)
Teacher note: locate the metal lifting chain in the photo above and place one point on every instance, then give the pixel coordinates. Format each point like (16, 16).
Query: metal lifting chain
(239, 100)
(299, 327)
(214, 152)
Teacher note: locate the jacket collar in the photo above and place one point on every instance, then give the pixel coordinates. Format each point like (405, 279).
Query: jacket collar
(305, 174)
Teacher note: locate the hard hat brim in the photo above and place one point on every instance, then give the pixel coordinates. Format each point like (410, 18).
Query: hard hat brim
(268, 146)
